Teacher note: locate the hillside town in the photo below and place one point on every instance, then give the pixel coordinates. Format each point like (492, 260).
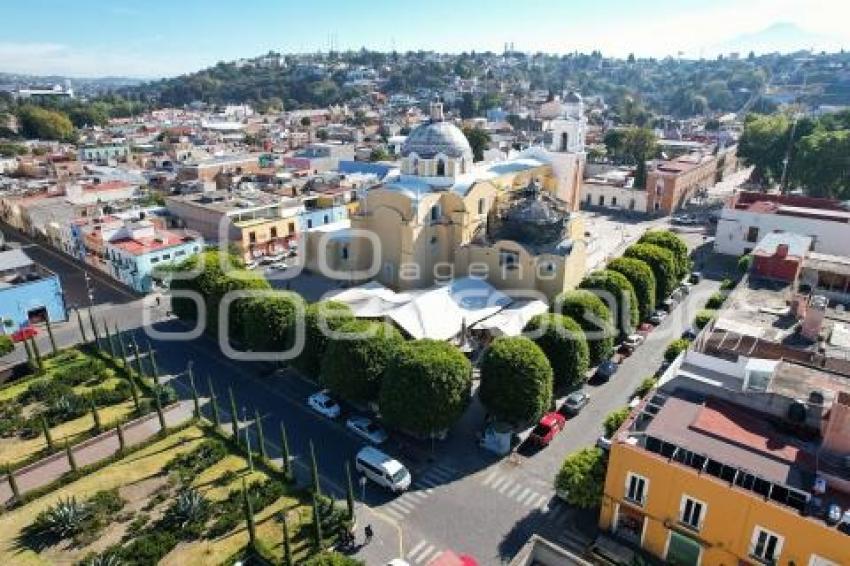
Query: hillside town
(425, 308)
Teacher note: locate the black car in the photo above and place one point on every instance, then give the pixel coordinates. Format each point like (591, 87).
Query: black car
(574, 403)
(606, 370)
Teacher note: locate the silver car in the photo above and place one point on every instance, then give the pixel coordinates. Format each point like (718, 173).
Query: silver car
(367, 429)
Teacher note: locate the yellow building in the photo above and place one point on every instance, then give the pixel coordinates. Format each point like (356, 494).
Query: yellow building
(698, 479)
(511, 222)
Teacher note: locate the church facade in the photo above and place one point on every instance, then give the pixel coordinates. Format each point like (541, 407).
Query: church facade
(512, 222)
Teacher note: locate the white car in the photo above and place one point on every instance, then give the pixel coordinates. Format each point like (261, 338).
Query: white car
(323, 403)
(252, 265)
(367, 429)
(657, 317)
(278, 266)
(398, 562)
(632, 341)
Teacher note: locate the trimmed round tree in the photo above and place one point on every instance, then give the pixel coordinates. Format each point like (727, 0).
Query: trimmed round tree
(426, 387)
(353, 365)
(319, 320)
(582, 478)
(613, 286)
(663, 265)
(673, 242)
(562, 340)
(269, 324)
(640, 276)
(516, 380)
(593, 316)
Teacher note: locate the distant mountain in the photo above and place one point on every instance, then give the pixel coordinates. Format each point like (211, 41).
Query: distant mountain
(83, 86)
(782, 37)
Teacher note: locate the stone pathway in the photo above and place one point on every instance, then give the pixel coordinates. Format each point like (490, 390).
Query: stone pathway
(93, 450)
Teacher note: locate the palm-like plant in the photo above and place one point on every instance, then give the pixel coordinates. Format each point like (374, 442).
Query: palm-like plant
(104, 560)
(191, 507)
(64, 518)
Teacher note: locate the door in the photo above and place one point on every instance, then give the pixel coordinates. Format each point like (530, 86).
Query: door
(683, 550)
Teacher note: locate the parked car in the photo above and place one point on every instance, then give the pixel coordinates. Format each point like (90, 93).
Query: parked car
(657, 317)
(366, 428)
(604, 443)
(690, 333)
(24, 333)
(323, 403)
(631, 342)
(266, 260)
(645, 328)
(253, 264)
(685, 219)
(844, 523)
(606, 369)
(696, 277)
(278, 266)
(549, 425)
(669, 304)
(382, 469)
(575, 402)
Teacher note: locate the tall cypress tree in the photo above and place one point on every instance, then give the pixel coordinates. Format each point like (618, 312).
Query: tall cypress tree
(30, 358)
(154, 366)
(318, 542)
(140, 368)
(108, 334)
(284, 447)
(349, 494)
(249, 514)
(314, 471)
(160, 415)
(261, 438)
(48, 439)
(72, 460)
(36, 354)
(82, 327)
(95, 417)
(214, 403)
(53, 348)
(123, 348)
(287, 545)
(16, 492)
(94, 329)
(122, 442)
(195, 399)
(234, 417)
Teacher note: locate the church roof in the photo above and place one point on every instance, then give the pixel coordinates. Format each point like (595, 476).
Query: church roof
(436, 137)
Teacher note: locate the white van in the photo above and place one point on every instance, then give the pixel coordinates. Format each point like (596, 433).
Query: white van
(382, 469)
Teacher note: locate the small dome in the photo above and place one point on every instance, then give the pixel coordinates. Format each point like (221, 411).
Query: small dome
(433, 138)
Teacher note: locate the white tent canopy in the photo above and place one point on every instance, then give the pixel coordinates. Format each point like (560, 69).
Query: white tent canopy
(511, 320)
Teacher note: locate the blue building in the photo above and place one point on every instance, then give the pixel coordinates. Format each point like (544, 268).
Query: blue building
(29, 293)
(318, 212)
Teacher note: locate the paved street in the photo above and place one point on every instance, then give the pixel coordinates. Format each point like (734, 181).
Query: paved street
(462, 498)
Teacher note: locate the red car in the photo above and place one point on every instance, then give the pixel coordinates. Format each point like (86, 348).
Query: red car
(24, 333)
(449, 558)
(645, 328)
(550, 424)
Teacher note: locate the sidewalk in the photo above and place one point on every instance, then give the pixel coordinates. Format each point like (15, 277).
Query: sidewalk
(93, 450)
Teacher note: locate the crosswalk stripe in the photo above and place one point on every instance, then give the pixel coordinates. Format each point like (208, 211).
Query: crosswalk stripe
(506, 486)
(541, 500)
(418, 494)
(424, 554)
(523, 495)
(514, 490)
(428, 482)
(393, 513)
(493, 475)
(402, 507)
(499, 482)
(417, 548)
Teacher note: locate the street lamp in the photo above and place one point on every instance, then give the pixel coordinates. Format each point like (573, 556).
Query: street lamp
(248, 440)
(362, 481)
(89, 290)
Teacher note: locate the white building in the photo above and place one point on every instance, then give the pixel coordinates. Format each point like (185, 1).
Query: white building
(748, 217)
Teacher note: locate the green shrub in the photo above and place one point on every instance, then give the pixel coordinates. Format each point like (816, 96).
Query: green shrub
(675, 348)
(744, 264)
(6, 345)
(581, 478)
(646, 386)
(614, 420)
(727, 284)
(703, 317)
(188, 464)
(516, 380)
(148, 548)
(715, 301)
(563, 342)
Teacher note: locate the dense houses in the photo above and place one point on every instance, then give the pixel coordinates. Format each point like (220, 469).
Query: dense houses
(29, 293)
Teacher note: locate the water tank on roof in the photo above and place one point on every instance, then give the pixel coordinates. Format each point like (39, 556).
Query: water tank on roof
(816, 397)
(797, 412)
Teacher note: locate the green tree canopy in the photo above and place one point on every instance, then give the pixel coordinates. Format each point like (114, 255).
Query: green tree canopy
(516, 380)
(582, 478)
(674, 243)
(426, 387)
(663, 265)
(610, 286)
(675, 348)
(320, 319)
(590, 312)
(613, 420)
(478, 139)
(763, 144)
(562, 340)
(640, 276)
(269, 323)
(640, 145)
(353, 365)
(44, 124)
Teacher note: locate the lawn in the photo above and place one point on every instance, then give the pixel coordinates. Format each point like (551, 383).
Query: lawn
(149, 482)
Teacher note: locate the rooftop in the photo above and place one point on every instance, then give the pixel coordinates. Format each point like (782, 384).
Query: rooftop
(162, 240)
(790, 205)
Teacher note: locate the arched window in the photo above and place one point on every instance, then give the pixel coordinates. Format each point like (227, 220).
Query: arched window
(414, 168)
(463, 165)
(565, 139)
(435, 213)
(482, 204)
(441, 168)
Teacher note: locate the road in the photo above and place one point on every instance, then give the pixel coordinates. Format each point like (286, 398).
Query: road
(462, 497)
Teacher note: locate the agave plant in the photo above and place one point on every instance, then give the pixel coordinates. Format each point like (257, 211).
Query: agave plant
(191, 507)
(104, 560)
(64, 518)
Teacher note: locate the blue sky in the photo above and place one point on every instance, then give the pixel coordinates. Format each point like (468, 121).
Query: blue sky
(166, 37)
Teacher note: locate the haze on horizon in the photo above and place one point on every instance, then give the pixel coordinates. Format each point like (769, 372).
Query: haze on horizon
(159, 38)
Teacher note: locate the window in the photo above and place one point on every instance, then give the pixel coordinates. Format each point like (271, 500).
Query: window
(632, 204)
(691, 512)
(325, 219)
(482, 205)
(613, 201)
(273, 232)
(636, 487)
(753, 234)
(816, 560)
(766, 546)
(179, 253)
(589, 198)
(565, 141)
(166, 256)
(252, 237)
(345, 252)
(508, 258)
(441, 168)
(601, 200)
(291, 227)
(154, 260)
(309, 223)
(657, 206)
(435, 213)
